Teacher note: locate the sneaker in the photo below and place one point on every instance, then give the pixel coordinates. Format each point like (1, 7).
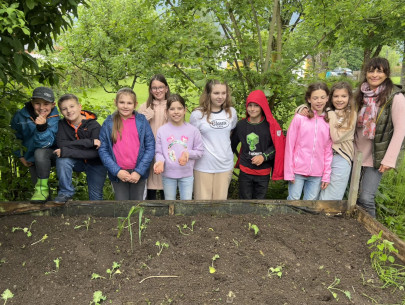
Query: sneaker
(62, 198)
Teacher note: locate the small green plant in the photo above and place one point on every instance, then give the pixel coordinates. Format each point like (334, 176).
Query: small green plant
(122, 220)
(161, 246)
(95, 276)
(7, 294)
(57, 265)
(142, 226)
(86, 223)
(383, 262)
(25, 230)
(186, 227)
(41, 240)
(254, 227)
(212, 268)
(275, 271)
(98, 297)
(333, 290)
(115, 269)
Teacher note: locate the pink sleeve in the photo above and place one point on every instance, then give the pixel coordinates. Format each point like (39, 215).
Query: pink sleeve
(328, 161)
(159, 148)
(398, 114)
(292, 134)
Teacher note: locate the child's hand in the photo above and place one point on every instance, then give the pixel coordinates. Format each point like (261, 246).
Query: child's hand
(183, 158)
(303, 111)
(57, 152)
(324, 185)
(25, 162)
(134, 178)
(158, 167)
(97, 143)
(40, 120)
(124, 176)
(149, 113)
(257, 160)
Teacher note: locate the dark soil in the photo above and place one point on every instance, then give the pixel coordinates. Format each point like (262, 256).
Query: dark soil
(313, 250)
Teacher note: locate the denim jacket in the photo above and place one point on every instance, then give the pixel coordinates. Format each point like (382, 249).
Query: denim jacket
(146, 148)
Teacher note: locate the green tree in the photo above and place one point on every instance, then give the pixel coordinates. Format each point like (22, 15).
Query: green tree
(25, 26)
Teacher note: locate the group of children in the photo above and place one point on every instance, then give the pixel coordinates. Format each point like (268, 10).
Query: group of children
(154, 149)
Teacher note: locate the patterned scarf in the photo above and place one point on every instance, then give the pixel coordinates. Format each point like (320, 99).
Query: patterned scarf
(368, 113)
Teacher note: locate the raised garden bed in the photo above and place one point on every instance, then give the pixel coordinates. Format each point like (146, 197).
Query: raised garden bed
(309, 253)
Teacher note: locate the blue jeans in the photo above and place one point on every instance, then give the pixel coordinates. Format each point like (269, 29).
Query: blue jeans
(95, 175)
(185, 187)
(311, 186)
(370, 181)
(338, 179)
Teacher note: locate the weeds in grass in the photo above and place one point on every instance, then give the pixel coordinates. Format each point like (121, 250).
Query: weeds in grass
(333, 290)
(212, 268)
(25, 230)
(185, 227)
(7, 294)
(383, 262)
(161, 246)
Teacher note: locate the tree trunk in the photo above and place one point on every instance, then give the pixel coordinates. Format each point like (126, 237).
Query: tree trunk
(271, 34)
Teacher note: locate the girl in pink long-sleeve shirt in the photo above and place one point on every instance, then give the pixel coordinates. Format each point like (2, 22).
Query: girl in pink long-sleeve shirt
(308, 151)
(381, 106)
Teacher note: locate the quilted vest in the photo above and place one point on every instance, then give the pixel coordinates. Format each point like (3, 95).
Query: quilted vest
(384, 130)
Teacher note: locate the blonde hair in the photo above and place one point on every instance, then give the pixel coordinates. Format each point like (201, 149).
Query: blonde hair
(117, 121)
(205, 99)
(349, 115)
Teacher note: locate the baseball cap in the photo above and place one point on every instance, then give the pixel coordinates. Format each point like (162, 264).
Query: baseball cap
(44, 93)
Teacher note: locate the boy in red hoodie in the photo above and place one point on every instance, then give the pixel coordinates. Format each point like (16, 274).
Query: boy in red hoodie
(262, 148)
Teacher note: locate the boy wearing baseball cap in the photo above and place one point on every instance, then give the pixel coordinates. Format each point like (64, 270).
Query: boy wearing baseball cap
(36, 125)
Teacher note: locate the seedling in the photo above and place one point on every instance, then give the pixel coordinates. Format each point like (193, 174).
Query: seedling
(57, 264)
(41, 240)
(254, 227)
(114, 269)
(25, 230)
(142, 226)
(7, 294)
(95, 276)
(161, 246)
(275, 271)
(186, 227)
(98, 297)
(86, 223)
(332, 289)
(212, 268)
(122, 221)
(383, 261)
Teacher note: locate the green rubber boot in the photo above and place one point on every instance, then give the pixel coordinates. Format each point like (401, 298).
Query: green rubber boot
(41, 193)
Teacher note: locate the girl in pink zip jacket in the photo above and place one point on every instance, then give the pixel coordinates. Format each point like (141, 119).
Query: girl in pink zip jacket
(308, 151)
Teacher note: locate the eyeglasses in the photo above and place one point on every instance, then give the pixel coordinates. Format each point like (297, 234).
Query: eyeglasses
(158, 88)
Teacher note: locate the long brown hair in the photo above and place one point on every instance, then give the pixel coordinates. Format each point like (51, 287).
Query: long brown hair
(311, 88)
(117, 121)
(205, 99)
(349, 115)
(379, 63)
(162, 79)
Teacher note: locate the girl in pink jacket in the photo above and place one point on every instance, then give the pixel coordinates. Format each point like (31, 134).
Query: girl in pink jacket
(308, 151)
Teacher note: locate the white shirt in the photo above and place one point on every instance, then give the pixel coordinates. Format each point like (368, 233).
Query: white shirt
(218, 156)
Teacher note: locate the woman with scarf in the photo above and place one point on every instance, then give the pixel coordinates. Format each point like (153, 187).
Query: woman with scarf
(380, 128)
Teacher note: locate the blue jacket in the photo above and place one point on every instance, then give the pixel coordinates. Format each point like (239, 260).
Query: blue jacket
(146, 149)
(32, 139)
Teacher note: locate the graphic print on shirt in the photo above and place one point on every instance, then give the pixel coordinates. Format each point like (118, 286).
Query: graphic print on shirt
(219, 124)
(252, 139)
(170, 149)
